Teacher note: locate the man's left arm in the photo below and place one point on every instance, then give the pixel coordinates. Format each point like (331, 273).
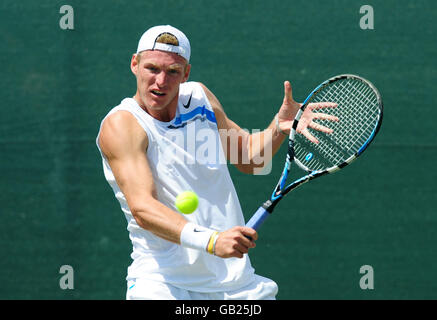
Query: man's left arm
(249, 152)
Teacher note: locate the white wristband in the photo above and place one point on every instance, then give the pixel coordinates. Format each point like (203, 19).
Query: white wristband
(195, 237)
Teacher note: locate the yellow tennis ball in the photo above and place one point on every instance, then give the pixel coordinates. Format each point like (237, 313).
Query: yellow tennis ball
(187, 202)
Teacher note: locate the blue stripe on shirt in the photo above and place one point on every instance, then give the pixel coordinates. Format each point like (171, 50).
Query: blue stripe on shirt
(203, 111)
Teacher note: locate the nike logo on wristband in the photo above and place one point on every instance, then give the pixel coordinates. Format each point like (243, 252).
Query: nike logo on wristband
(188, 103)
(197, 230)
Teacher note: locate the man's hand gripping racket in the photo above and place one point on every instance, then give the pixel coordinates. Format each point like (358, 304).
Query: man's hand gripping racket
(349, 115)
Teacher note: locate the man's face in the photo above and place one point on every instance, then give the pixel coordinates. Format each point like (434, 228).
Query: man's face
(159, 75)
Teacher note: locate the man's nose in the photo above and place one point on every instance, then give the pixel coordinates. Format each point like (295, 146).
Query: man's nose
(161, 79)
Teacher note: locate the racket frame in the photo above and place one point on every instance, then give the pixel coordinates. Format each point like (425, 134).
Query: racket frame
(281, 190)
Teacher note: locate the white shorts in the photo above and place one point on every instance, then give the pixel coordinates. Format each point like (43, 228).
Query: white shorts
(145, 289)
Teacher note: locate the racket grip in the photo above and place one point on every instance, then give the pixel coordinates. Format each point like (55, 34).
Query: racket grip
(258, 218)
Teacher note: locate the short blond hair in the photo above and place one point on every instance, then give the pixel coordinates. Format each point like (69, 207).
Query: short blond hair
(166, 38)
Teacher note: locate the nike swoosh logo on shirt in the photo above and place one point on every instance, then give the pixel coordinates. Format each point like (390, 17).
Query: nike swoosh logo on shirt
(188, 103)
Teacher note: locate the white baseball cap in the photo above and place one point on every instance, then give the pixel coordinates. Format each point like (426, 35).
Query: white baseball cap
(148, 41)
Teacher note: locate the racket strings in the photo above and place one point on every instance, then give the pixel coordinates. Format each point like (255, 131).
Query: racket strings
(351, 131)
(360, 95)
(358, 111)
(356, 119)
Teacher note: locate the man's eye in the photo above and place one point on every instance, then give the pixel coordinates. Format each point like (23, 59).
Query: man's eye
(152, 69)
(174, 71)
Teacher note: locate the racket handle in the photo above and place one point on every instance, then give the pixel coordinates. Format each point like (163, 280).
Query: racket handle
(258, 218)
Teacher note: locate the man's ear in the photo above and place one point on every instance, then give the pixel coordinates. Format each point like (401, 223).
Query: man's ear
(134, 64)
(187, 72)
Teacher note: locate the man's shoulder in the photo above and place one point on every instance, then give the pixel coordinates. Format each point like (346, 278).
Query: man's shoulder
(122, 114)
(119, 118)
(188, 87)
(120, 129)
(191, 93)
(196, 89)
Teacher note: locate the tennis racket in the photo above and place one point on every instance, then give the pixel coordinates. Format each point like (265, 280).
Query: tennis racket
(359, 109)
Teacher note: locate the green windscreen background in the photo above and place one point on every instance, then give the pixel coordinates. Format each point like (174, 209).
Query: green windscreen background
(56, 86)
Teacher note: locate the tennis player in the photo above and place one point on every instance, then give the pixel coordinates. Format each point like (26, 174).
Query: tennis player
(150, 146)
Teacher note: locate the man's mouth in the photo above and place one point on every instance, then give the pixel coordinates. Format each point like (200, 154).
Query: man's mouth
(157, 93)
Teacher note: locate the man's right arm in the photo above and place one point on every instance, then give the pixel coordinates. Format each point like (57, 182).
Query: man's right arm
(124, 144)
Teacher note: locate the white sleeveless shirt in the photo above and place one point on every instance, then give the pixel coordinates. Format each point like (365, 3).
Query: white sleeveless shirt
(185, 154)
